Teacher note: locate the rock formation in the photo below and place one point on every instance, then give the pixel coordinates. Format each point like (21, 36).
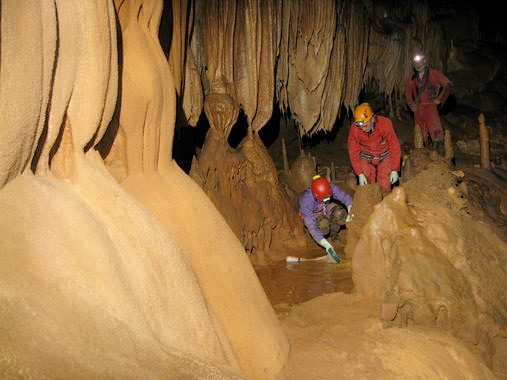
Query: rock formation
(92, 283)
(430, 264)
(243, 182)
(146, 117)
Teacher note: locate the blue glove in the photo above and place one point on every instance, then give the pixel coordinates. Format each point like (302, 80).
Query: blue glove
(394, 177)
(330, 250)
(332, 253)
(362, 180)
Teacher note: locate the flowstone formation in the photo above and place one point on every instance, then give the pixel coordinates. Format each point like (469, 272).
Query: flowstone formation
(243, 182)
(92, 283)
(430, 264)
(84, 266)
(249, 331)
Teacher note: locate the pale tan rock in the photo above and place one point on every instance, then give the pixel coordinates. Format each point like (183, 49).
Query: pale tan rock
(192, 93)
(100, 277)
(418, 137)
(243, 318)
(84, 265)
(449, 149)
(182, 17)
(24, 94)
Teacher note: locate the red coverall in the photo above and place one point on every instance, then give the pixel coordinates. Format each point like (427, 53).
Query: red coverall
(426, 114)
(380, 140)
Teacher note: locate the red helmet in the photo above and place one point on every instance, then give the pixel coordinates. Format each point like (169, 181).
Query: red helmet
(321, 189)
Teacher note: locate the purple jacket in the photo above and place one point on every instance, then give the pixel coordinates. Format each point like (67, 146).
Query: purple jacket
(310, 208)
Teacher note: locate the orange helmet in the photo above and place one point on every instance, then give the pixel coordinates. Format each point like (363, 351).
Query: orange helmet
(321, 189)
(363, 114)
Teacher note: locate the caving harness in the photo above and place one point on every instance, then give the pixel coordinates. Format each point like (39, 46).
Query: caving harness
(375, 159)
(425, 84)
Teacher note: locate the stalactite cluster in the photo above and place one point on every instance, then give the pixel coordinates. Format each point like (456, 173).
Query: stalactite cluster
(311, 60)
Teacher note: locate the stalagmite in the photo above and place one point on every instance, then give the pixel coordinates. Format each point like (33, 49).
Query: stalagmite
(484, 140)
(449, 150)
(418, 137)
(363, 204)
(333, 171)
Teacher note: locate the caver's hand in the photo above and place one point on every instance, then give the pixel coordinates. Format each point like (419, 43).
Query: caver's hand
(394, 177)
(325, 244)
(362, 180)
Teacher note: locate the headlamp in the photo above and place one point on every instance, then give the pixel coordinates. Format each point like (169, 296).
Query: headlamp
(418, 57)
(360, 123)
(326, 199)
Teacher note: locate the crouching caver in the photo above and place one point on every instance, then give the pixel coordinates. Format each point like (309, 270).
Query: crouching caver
(323, 217)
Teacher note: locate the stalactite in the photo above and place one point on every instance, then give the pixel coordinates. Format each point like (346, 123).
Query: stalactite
(357, 46)
(182, 13)
(284, 156)
(323, 55)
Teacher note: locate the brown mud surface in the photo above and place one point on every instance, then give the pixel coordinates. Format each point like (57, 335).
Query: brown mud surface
(288, 284)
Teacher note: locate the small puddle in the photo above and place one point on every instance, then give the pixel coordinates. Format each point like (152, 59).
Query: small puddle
(288, 284)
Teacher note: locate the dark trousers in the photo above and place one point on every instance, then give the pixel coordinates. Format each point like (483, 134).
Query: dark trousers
(330, 225)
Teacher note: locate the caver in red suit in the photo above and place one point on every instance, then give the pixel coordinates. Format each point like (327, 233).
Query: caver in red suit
(424, 91)
(374, 149)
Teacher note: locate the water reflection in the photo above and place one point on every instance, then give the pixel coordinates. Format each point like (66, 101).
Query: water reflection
(288, 284)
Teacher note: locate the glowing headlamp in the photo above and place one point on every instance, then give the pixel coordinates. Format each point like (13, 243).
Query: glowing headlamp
(360, 123)
(418, 57)
(326, 199)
